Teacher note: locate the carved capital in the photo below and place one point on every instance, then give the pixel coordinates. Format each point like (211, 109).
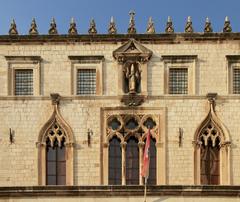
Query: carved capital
(123, 145)
(197, 144)
(141, 145)
(225, 144)
(106, 145)
(40, 144)
(69, 144)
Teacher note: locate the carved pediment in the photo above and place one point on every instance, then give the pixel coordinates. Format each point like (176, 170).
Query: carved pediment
(132, 50)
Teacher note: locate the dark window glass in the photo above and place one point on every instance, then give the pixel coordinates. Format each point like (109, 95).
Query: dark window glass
(56, 164)
(114, 124)
(115, 162)
(86, 81)
(131, 124)
(236, 80)
(24, 82)
(132, 162)
(178, 81)
(210, 173)
(152, 166)
(149, 123)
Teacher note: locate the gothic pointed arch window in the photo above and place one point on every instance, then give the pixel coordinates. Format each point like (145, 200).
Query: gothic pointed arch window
(124, 146)
(211, 155)
(55, 150)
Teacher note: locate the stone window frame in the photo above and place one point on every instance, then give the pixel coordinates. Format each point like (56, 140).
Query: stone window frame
(180, 61)
(87, 62)
(225, 149)
(233, 62)
(56, 117)
(159, 136)
(24, 63)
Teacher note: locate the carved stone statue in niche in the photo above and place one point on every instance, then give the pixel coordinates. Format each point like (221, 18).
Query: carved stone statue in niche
(132, 76)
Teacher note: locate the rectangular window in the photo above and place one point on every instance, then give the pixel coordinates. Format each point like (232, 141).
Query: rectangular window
(178, 81)
(24, 82)
(86, 81)
(236, 80)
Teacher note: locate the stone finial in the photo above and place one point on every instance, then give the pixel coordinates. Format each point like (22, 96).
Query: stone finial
(227, 26)
(55, 97)
(169, 26)
(13, 28)
(53, 28)
(33, 29)
(112, 27)
(92, 29)
(150, 26)
(73, 27)
(131, 28)
(208, 26)
(188, 27)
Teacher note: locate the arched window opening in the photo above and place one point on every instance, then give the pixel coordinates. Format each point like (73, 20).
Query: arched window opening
(152, 166)
(56, 163)
(210, 166)
(115, 162)
(132, 161)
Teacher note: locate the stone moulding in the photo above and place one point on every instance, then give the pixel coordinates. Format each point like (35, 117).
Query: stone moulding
(124, 191)
(212, 123)
(55, 118)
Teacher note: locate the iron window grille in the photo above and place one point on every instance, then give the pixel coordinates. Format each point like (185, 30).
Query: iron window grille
(178, 81)
(86, 81)
(236, 80)
(24, 82)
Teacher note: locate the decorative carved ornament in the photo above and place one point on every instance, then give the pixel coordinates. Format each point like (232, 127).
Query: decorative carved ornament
(13, 28)
(56, 128)
(33, 29)
(211, 128)
(132, 50)
(123, 126)
(133, 100)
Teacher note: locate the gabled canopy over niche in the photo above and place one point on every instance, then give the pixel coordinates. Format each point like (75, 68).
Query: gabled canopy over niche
(132, 60)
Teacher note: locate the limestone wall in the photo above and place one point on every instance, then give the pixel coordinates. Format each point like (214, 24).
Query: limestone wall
(25, 116)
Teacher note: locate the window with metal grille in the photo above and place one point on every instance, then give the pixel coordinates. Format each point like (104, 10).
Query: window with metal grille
(24, 82)
(178, 81)
(86, 81)
(236, 80)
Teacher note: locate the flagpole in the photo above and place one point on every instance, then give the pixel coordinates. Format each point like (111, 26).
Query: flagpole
(145, 190)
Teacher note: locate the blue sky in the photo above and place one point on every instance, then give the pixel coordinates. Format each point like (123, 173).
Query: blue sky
(101, 10)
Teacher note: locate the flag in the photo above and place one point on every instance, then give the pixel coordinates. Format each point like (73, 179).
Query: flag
(146, 157)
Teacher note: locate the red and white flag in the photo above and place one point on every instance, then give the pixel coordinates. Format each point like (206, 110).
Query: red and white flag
(146, 157)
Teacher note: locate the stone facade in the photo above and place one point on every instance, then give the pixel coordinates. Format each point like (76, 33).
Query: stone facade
(26, 115)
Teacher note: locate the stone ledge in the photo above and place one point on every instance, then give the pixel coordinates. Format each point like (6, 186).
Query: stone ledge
(113, 191)
(106, 38)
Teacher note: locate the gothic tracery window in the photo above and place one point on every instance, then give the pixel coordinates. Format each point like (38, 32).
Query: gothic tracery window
(126, 143)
